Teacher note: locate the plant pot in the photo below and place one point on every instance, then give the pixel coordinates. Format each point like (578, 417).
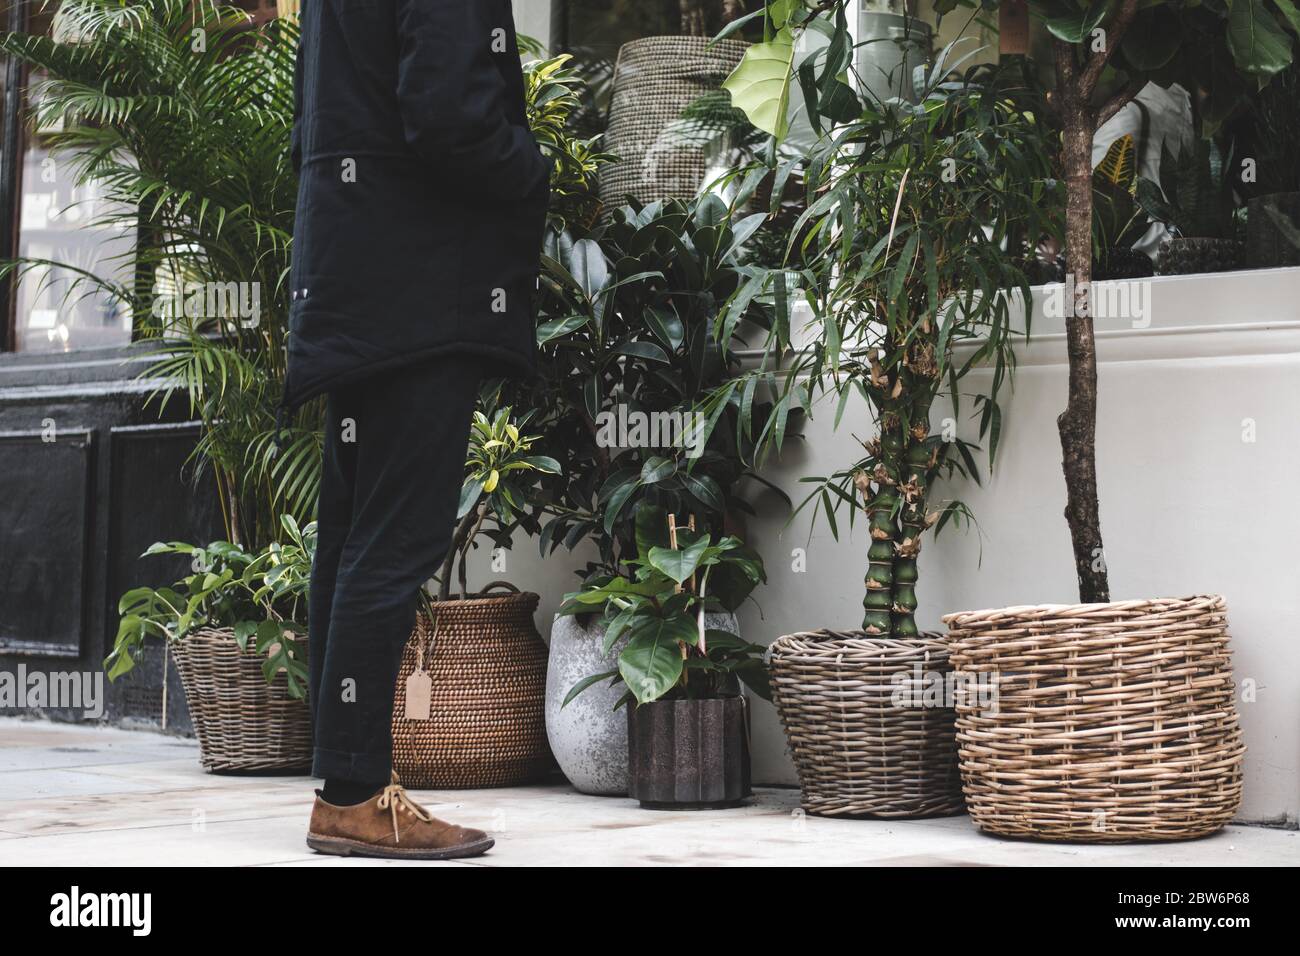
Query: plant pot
(1180, 256)
(486, 728)
(889, 47)
(866, 733)
(589, 737)
(1113, 722)
(1267, 243)
(243, 723)
(689, 754)
(1124, 264)
(655, 79)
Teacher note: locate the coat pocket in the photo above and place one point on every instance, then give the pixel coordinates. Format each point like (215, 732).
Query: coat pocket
(502, 255)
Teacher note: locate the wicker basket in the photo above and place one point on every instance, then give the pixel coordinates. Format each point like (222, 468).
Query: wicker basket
(242, 722)
(655, 79)
(486, 725)
(860, 748)
(1113, 722)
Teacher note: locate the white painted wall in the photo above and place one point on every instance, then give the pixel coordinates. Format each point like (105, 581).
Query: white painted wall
(533, 18)
(1187, 505)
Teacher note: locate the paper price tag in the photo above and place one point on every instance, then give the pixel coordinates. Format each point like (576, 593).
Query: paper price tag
(419, 688)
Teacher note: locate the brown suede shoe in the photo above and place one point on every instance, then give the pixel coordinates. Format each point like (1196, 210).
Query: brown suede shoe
(390, 824)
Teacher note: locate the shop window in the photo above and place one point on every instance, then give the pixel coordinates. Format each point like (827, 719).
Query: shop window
(67, 230)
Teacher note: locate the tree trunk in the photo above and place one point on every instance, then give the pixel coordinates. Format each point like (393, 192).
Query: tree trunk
(1078, 423)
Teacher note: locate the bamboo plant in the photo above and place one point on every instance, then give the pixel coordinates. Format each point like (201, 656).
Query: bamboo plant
(921, 250)
(912, 255)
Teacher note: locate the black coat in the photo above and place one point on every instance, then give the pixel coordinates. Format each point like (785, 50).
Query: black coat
(422, 194)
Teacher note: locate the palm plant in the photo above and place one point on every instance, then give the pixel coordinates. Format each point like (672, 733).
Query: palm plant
(181, 113)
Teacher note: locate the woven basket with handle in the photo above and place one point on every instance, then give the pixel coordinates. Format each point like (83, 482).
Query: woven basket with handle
(486, 725)
(242, 722)
(655, 79)
(864, 737)
(1113, 722)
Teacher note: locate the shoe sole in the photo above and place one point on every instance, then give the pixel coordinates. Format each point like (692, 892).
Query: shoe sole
(341, 846)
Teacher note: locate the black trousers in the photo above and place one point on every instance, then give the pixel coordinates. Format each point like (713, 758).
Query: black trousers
(394, 461)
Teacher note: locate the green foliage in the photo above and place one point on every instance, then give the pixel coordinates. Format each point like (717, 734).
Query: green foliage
(1194, 196)
(912, 254)
(1118, 221)
(763, 82)
(660, 606)
(632, 328)
(553, 91)
(261, 596)
(501, 483)
(1228, 49)
(192, 140)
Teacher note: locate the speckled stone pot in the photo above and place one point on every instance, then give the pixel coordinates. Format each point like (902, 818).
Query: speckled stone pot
(589, 737)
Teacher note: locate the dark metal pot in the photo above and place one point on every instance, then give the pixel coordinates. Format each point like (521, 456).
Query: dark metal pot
(689, 754)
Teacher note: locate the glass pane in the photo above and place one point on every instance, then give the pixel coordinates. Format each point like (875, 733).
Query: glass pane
(71, 224)
(598, 28)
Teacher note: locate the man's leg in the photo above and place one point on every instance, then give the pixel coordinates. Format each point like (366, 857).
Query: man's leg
(333, 522)
(409, 432)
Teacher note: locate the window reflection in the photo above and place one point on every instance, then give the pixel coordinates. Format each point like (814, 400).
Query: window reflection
(75, 231)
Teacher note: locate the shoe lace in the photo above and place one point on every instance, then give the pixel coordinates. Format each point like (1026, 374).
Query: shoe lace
(395, 798)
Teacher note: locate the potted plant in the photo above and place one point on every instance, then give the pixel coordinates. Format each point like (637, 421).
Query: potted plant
(1118, 220)
(680, 677)
(629, 356)
(217, 215)
(1195, 200)
(920, 228)
(235, 628)
(481, 665)
(655, 79)
(1113, 772)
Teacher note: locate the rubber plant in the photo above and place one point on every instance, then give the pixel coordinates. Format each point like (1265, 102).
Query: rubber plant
(1103, 53)
(627, 334)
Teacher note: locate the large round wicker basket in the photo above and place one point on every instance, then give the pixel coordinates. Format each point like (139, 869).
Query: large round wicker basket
(655, 79)
(866, 731)
(1112, 722)
(486, 725)
(243, 723)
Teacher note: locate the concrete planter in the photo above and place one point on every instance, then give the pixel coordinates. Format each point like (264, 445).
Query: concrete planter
(589, 737)
(689, 754)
